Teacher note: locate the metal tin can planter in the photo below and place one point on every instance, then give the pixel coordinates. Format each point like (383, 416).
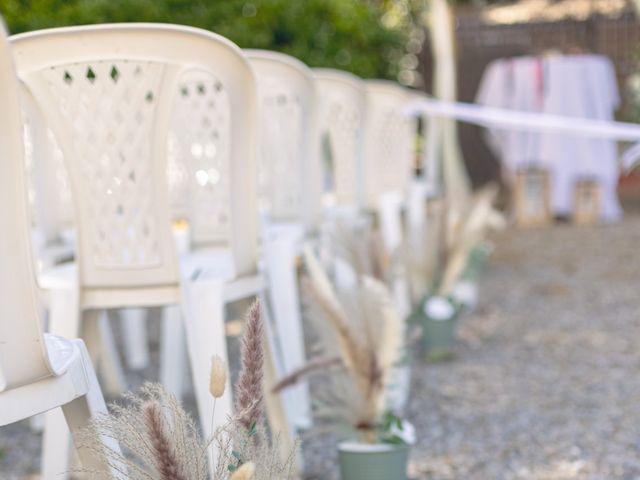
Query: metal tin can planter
(439, 320)
(381, 461)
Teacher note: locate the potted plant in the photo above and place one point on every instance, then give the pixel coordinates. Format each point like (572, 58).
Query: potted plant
(457, 286)
(386, 458)
(465, 289)
(358, 254)
(361, 339)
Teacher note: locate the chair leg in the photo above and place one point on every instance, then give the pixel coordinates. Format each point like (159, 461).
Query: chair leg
(56, 446)
(389, 211)
(276, 403)
(98, 336)
(60, 422)
(79, 412)
(64, 320)
(133, 322)
(173, 355)
(204, 321)
(280, 255)
(279, 423)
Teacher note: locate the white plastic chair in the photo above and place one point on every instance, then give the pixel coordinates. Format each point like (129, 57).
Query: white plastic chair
(108, 92)
(342, 104)
(289, 181)
(37, 372)
(389, 137)
(289, 176)
(388, 168)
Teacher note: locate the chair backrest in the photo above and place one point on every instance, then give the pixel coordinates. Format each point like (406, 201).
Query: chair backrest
(289, 174)
(22, 352)
(108, 93)
(389, 140)
(204, 154)
(342, 111)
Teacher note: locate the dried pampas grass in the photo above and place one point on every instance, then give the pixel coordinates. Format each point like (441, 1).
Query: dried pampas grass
(167, 463)
(249, 389)
(361, 248)
(217, 377)
(160, 441)
(365, 334)
(423, 250)
(156, 436)
(471, 231)
(245, 472)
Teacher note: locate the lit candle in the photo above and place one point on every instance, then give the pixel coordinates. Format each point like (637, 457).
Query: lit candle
(182, 235)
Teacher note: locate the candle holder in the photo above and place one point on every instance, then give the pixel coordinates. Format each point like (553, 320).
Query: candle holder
(532, 199)
(586, 202)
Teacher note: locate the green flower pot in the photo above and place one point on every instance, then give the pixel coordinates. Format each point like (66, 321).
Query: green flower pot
(438, 329)
(439, 336)
(359, 461)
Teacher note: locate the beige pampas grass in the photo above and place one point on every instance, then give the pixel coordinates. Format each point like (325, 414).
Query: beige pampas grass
(362, 249)
(160, 440)
(470, 232)
(156, 434)
(310, 367)
(374, 321)
(249, 388)
(245, 472)
(365, 334)
(166, 461)
(217, 377)
(321, 282)
(423, 250)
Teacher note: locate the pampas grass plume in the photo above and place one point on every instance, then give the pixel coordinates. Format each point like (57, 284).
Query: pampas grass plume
(166, 460)
(249, 388)
(245, 472)
(218, 377)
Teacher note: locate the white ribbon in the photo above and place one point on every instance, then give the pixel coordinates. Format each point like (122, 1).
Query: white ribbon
(543, 122)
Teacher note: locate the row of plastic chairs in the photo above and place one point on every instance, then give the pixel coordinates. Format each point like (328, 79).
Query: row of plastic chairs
(325, 139)
(352, 115)
(125, 104)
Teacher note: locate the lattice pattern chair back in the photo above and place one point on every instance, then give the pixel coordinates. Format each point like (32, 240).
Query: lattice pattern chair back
(289, 175)
(200, 155)
(22, 353)
(389, 137)
(342, 111)
(107, 93)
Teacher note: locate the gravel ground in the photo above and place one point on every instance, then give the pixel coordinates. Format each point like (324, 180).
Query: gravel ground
(544, 385)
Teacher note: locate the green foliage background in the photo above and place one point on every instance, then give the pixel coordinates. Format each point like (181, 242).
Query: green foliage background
(348, 34)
